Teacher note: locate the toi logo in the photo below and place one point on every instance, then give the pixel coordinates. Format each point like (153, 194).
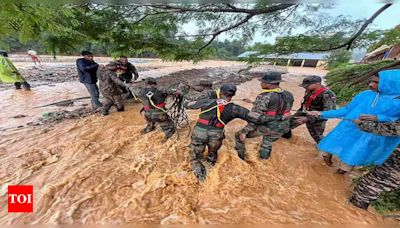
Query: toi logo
(20, 198)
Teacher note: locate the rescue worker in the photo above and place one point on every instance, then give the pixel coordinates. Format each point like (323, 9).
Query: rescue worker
(316, 98)
(273, 102)
(383, 178)
(109, 84)
(153, 100)
(209, 129)
(10, 74)
(128, 69)
(203, 88)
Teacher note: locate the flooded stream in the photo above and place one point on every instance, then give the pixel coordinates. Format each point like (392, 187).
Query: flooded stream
(100, 170)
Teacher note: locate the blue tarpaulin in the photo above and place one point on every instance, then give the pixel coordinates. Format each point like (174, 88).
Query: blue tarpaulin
(355, 147)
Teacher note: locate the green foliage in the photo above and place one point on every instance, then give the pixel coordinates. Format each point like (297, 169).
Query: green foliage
(388, 201)
(339, 58)
(340, 83)
(133, 29)
(388, 37)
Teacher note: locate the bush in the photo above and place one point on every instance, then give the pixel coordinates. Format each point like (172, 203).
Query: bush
(340, 80)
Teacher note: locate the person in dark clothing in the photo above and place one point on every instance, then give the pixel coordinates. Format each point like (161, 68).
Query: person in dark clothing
(209, 130)
(87, 71)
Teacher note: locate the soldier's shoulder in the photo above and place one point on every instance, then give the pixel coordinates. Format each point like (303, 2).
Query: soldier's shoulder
(329, 93)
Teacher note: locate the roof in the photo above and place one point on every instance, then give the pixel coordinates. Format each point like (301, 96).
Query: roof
(247, 54)
(299, 55)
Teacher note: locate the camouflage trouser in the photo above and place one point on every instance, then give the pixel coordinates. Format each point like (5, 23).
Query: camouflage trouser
(316, 128)
(384, 178)
(157, 116)
(271, 132)
(113, 100)
(202, 138)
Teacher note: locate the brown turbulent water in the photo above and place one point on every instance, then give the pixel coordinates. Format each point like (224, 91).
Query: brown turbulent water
(101, 170)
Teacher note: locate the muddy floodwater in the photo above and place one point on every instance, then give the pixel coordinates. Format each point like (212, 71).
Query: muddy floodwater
(100, 170)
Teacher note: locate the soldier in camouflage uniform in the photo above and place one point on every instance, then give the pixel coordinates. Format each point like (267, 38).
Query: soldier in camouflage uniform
(316, 98)
(153, 100)
(110, 87)
(204, 91)
(273, 102)
(209, 130)
(384, 178)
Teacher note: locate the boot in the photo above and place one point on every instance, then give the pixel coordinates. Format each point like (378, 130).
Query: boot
(26, 86)
(340, 171)
(211, 158)
(288, 135)
(265, 154)
(169, 134)
(17, 85)
(328, 160)
(147, 129)
(199, 171)
(241, 154)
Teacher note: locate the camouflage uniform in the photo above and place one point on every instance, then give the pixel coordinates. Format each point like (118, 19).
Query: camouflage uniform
(127, 75)
(276, 105)
(109, 87)
(384, 178)
(158, 114)
(209, 130)
(324, 101)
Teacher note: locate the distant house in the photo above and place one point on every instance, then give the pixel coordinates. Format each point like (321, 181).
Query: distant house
(302, 59)
(383, 52)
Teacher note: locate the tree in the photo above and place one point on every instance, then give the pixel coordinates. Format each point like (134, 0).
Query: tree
(337, 59)
(158, 27)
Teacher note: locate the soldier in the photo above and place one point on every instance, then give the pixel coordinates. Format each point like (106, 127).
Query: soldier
(209, 130)
(128, 69)
(274, 102)
(384, 178)
(204, 91)
(109, 87)
(125, 72)
(153, 100)
(316, 98)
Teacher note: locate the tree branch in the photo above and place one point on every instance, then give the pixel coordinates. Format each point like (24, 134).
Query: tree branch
(214, 35)
(225, 10)
(359, 32)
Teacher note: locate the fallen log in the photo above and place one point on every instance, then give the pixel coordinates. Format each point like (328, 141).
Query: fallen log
(69, 101)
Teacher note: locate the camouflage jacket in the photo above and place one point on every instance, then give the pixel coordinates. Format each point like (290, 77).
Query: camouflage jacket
(269, 102)
(381, 128)
(109, 82)
(323, 102)
(158, 96)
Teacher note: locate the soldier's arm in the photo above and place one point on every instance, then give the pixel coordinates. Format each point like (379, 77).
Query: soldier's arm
(118, 81)
(381, 128)
(260, 106)
(201, 96)
(252, 117)
(329, 100)
(198, 104)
